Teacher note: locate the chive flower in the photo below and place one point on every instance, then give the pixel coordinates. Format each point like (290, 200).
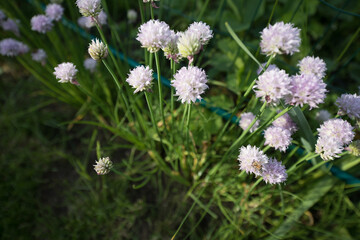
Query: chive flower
(190, 83)
(66, 72)
(140, 78)
(245, 121)
(41, 24)
(103, 166)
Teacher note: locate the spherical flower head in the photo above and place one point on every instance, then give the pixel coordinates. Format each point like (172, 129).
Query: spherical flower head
(280, 38)
(54, 11)
(90, 64)
(39, 56)
(132, 15)
(252, 159)
(272, 86)
(349, 104)
(202, 31)
(322, 116)
(285, 122)
(338, 129)
(154, 35)
(188, 44)
(306, 89)
(103, 166)
(245, 121)
(278, 138)
(41, 24)
(11, 26)
(97, 50)
(89, 8)
(85, 22)
(189, 83)
(328, 148)
(11, 47)
(270, 67)
(354, 148)
(65, 72)
(312, 65)
(140, 78)
(273, 172)
(102, 18)
(171, 50)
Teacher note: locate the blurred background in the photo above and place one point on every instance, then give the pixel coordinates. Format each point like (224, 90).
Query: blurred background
(48, 188)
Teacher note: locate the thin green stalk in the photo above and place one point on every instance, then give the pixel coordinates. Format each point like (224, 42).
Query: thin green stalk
(183, 118)
(308, 156)
(282, 203)
(152, 115)
(173, 68)
(110, 52)
(141, 4)
(160, 89)
(316, 166)
(234, 145)
(119, 89)
(188, 122)
(151, 10)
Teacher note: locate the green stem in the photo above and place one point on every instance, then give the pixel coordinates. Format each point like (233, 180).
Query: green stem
(110, 52)
(234, 145)
(123, 98)
(308, 156)
(160, 89)
(152, 114)
(183, 118)
(151, 10)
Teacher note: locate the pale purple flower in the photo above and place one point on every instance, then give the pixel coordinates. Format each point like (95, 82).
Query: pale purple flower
(280, 38)
(103, 166)
(39, 56)
(245, 121)
(11, 47)
(278, 138)
(90, 64)
(140, 78)
(102, 18)
(306, 89)
(171, 50)
(322, 116)
(202, 31)
(328, 148)
(270, 67)
(312, 65)
(131, 15)
(285, 122)
(66, 72)
(11, 25)
(54, 11)
(85, 22)
(154, 35)
(89, 8)
(189, 83)
(349, 104)
(274, 172)
(252, 159)
(41, 24)
(272, 86)
(338, 129)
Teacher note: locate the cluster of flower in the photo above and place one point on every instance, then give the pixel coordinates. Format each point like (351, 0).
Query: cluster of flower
(43, 23)
(8, 24)
(189, 82)
(253, 160)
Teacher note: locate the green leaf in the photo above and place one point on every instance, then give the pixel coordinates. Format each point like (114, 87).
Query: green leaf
(312, 197)
(307, 137)
(241, 44)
